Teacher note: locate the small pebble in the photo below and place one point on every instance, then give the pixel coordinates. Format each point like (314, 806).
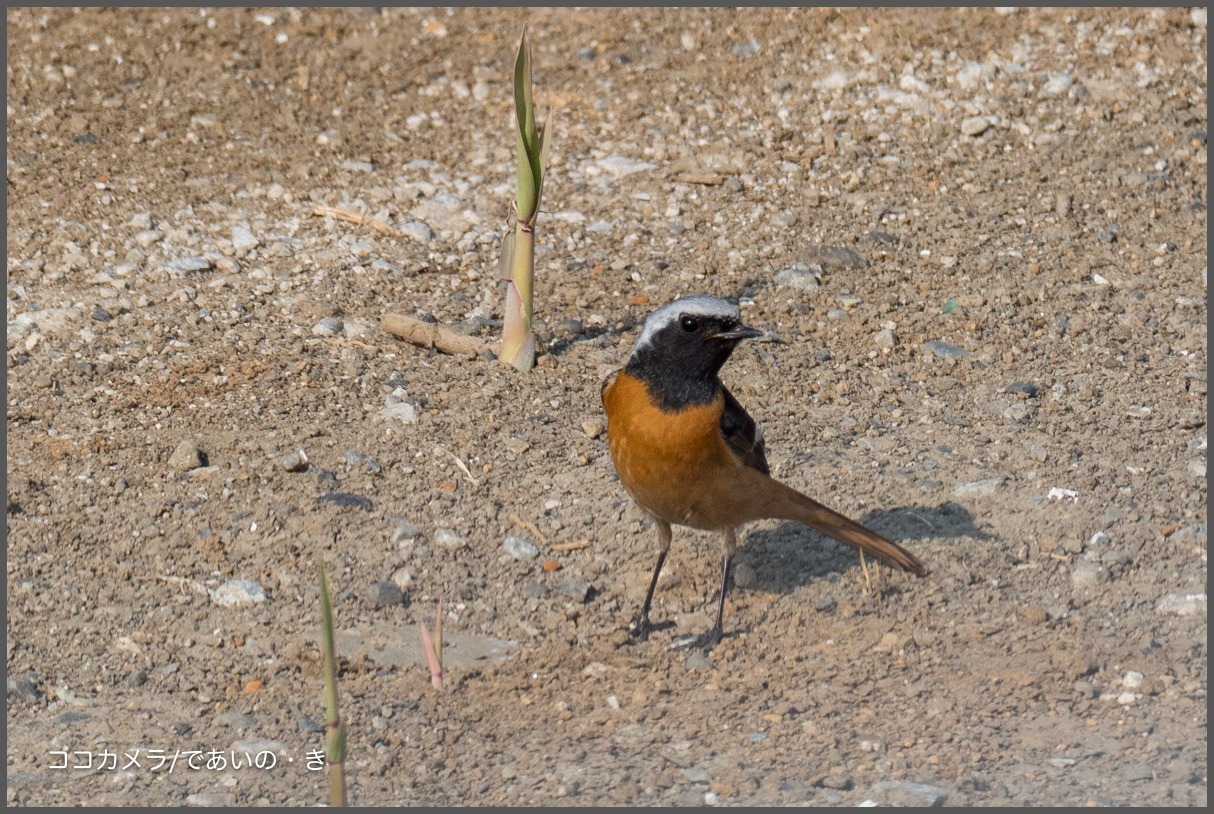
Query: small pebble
(974, 126)
(402, 578)
(185, 457)
(141, 220)
(23, 686)
(385, 266)
(449, 539)
(801, 277)
(346, 500)
(211, 799)
(190, 264)
(1192, 604)
(744, 49)
(576, 588)
(885, 339)
(384, 594)
(1057, 85)
(536, 590)
(1062, 494)
(620, 166)
(295, 461)
(1027, 388)
(825, 604)
(839, 257)
(905, 793)
(147, 237)
(1033, 614)
(697, 660)
(974, 73)
(404, 534)
(73, 718)
(354, 459)
(1132, 680)
(136, 678)
(305, 724)
(838, 782)
(418, 230)
(404, 411)
(744, 576)
(238, 592)
(243, 239)
(329, 326)
(593, 427)
(520, 549)
(944, 350)
(570, 327)
(1136, 179)
(979, 488)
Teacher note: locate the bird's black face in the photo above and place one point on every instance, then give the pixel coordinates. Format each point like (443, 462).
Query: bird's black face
(683, 347)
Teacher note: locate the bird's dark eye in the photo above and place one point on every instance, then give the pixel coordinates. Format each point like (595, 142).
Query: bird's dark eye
(689, 324)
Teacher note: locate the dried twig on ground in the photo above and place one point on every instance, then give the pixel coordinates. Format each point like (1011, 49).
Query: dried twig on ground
(531, 527)
(433, 335)
(355, 217)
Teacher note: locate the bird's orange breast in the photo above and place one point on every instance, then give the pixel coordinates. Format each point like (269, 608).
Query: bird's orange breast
(671, 462)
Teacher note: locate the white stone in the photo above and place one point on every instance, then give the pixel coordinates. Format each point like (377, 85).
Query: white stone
(975, 126)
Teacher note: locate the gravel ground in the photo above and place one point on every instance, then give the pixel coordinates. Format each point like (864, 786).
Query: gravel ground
(979, 236)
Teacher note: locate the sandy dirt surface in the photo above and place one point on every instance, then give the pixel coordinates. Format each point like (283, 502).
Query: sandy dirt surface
(979, 237)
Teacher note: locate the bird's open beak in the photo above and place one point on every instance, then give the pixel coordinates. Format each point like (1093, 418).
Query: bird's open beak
(740, 332)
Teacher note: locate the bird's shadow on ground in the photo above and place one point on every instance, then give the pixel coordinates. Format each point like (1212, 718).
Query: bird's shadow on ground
(791, 555)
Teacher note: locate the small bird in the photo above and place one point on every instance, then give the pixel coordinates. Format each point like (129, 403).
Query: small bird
(690, 455)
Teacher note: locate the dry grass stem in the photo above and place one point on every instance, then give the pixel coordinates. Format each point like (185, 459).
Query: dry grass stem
(355, 217)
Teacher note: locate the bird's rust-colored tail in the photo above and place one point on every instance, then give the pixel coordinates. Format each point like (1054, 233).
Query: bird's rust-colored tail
(787, 503)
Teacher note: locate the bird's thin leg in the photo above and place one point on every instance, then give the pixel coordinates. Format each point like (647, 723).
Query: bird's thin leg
(709, 639)
(642, 626)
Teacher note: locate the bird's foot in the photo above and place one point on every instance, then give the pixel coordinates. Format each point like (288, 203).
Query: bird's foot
(705, 641)
(640, 629)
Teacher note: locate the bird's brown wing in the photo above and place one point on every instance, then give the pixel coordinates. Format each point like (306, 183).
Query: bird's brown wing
(742, 435)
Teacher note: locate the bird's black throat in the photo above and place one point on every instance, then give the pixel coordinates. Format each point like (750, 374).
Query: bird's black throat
(679, 380)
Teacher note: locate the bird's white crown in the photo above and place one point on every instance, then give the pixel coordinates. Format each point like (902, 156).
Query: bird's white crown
(697, 305)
